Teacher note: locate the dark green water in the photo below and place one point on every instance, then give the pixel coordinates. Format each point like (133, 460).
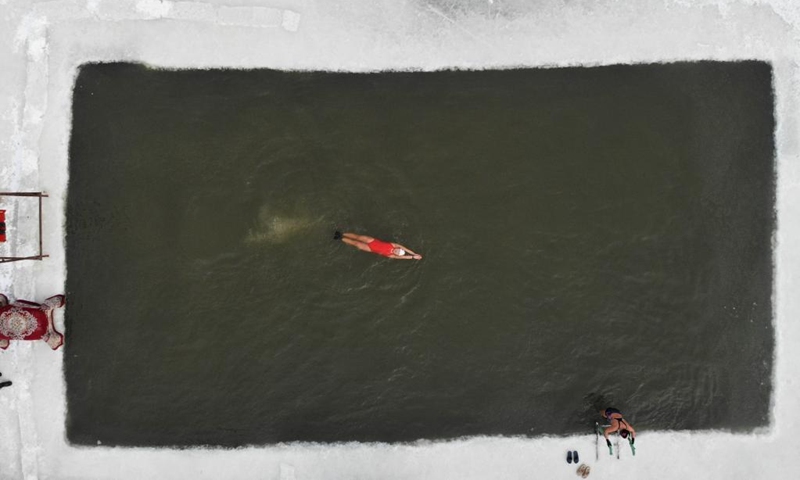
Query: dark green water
(591, 236)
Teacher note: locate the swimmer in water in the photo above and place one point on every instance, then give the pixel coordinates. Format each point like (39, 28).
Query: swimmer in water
(369, 244)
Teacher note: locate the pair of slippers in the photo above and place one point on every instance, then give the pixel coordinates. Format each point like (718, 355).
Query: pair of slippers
(572, 456)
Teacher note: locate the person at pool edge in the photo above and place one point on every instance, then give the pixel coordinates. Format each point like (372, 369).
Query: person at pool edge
(369, 244)
(617, 423)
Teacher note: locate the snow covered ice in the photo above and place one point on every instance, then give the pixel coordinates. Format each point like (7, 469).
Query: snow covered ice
(43, 43)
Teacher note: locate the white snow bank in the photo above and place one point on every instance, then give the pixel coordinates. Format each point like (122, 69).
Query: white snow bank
(42, 44)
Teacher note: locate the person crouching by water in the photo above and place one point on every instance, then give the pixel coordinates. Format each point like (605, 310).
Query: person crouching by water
(369, 244)
(617, 424)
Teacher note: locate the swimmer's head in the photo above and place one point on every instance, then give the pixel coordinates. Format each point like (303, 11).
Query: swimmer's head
(399, 252)
(624, 433)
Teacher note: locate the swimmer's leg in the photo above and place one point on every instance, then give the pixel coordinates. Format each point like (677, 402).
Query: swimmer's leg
(355, 236)
(359, 245)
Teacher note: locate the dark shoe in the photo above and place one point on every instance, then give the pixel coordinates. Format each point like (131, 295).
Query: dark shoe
(337, 235)
(5, 384)
(569, 456)
(575, 456)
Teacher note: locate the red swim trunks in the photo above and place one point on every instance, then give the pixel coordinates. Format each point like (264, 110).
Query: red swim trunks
(381, 248)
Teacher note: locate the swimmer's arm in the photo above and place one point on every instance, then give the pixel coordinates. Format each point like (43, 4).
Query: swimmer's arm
(412, 252)
(403, 257)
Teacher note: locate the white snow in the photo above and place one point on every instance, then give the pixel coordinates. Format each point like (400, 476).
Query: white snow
(42, 43)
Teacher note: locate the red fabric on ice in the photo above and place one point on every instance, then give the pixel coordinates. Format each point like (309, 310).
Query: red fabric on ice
(2, 226)
(24, 320)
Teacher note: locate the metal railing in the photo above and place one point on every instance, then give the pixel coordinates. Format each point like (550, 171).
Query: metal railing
(38, 195)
